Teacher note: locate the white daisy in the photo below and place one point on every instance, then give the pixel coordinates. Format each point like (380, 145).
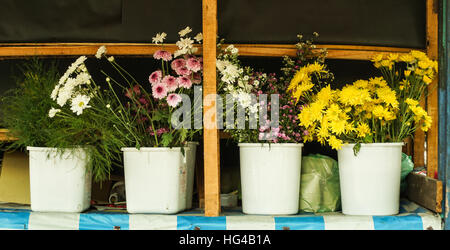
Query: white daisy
(79, 103)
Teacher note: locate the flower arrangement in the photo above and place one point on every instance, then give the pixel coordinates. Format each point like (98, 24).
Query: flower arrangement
(245, 86)
(147, 116)
(381, 109)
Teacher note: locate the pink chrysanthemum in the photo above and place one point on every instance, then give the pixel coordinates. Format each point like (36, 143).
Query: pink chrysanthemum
(184, 82)
(162, 54)
(171, 83)
(183, 71)
(178, 63)
(193, 64)
(155, 77)
(159, 90)
(173, 100)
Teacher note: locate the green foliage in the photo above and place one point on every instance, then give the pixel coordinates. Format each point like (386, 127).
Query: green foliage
(24, 109)
(25, 112)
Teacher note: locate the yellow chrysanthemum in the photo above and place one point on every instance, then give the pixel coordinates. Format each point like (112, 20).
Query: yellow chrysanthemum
(334, 142)
(408, 58)
(363, 129)
(407, 73)
(388, 96)
(427, 80)
(411, 102)
(351, 95)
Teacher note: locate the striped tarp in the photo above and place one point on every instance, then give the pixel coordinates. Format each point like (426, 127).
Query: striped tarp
(411, 217)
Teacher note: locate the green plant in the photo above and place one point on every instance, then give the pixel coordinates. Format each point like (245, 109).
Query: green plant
(29, 112)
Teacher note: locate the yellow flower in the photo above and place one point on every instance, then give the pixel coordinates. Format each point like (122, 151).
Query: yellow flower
(386, 63)
(315, 67)
(418, 54)
(361, 83)
(338, 126)
(411, 102)
(363, 130)
(351, 95)
(407, 73)
(388, 96)
(408, 58)
(325, 94)
(427, 80)
(393, 57)
(424, 64)
(377, 58)
(334, 142)
(427, 123)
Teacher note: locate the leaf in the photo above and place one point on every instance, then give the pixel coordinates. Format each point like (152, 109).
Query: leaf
(356, 148)
(166, 139)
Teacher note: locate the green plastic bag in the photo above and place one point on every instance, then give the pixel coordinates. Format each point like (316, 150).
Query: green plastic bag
(319, 185)
(407, 167)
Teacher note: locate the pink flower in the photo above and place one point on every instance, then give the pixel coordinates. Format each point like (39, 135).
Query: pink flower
(155, 77)
(193, 64)
(183, 71)
(162, 54)
(184, 82)
(178, 63)
(173, 100)
(171, 83)
(159, 90)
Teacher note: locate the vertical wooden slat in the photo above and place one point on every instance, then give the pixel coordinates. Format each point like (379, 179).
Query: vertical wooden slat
(432, 98)
(211, 135)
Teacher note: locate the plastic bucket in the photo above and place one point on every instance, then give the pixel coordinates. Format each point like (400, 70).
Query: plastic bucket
(157, 179)
(59, 182)
(370, 181)
(270, 177)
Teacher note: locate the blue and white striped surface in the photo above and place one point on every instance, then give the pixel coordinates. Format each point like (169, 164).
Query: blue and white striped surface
(13, 218)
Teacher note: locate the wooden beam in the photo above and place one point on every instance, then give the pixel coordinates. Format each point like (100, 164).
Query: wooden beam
(5, 137)
(425, 191)
(78, 49)
(351, 52)
(433, 96)
(211, 134)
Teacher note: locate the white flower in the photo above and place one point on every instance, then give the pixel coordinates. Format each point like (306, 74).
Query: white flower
(198, 37)
(159, 38)
(108, 79)
(108, 106)
(52, 112)
(79, 103)
(111, 58)
(185, 43)
(101, 51)
(55, 91)
(185, 31)
(180, 52)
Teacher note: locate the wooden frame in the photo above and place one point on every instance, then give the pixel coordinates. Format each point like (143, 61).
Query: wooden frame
(211, 136)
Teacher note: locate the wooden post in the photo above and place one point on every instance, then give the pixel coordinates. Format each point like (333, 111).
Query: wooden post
(433, 90)
(211, 134)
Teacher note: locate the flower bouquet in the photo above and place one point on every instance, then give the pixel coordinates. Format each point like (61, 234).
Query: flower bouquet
(68, 137)
(271, 148)
(367, 122)
(158, 155)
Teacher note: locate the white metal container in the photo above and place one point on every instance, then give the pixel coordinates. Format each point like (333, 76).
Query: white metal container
(370, 181)
(270, 177)
(59, 182)
(157, 180)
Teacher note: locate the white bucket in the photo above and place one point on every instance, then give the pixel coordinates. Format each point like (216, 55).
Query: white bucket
(370, 181)
(270, 177)
(59, 182)
(191, 157)
(157, 180)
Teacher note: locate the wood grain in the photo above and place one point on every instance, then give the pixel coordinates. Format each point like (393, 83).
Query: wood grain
(425, 191)
(211, 135)
(433, 96)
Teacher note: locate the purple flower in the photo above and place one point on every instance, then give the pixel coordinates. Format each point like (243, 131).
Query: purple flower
(178, 63)
(170, 82)
(184, 82)
(193, 64)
